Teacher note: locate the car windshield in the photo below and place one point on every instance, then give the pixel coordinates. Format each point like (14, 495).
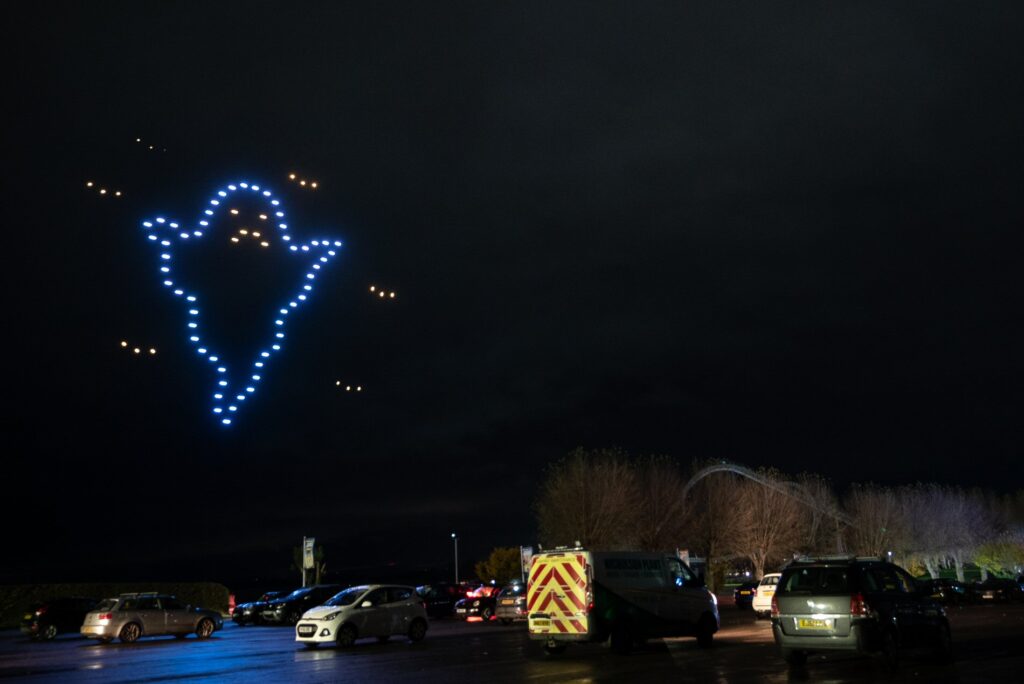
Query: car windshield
(297, 593)
(347, 597)
(769, 581)
(821, 580)
(513, 590)
(105, 605)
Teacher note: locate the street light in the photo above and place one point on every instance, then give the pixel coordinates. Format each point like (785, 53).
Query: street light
(455, 540)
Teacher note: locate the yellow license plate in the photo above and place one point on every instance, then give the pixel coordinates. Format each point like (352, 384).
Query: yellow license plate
(540, 623)
(508, 602)
(28, 617)
(809, 623)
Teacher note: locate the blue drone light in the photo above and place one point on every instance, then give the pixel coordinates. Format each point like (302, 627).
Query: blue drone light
(164, 232)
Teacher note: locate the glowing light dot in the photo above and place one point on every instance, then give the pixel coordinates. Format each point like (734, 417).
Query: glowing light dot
(255, 233)
(243, 185)
(313, 184)
(291, 176)
(235, 212)
(184, 236)
(89, 184)
(382, 293)
(103, 191)
(152, 351)
(193, 325)
(218, 396)
(279, 214)
(193, 312)
(160, 219)
(302, 297)
(310, 276)
(279, 335)
(214, 202)
(392, 295)
(137, 350)
(305, 248)
(147, 224)
(316, 243)
(337, 243)
(275, 347)
(117, 194)
(255, 377)
(255, 187)
(165, 243)
(204, 223)
(234, 239)
(266, 193)
(294, 248)
(124, 343)
(214, 359)
(197, 233)
(232, 188)
(359, 388)
(307, 288)
(258, 364)
(302, 182)
(191, 298)
(282, 226)
(173, 225)
(263, 217)
(208, 212)
(194, 338)
(223, 383)
(243, 231)
(201, 350)
(168, 283)
(218, 410)
(348, 388)
(222, 193)
(226, 421)
(275, 202)
(232, 408)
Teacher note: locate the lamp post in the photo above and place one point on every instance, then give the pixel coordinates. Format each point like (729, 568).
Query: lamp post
(455, 540)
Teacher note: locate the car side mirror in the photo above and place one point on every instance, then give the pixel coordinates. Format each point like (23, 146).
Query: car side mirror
(366, 604)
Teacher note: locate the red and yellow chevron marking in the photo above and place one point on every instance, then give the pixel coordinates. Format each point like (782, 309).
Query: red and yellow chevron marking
(557, 590)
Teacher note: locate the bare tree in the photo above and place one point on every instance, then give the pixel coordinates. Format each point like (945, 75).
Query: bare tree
(878, 520)
(824, 532)
(590, 497)
(772, 525)
(661, 515)
(712, 519)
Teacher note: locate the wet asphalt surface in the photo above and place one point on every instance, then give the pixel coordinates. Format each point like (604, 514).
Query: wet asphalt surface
(989, 647)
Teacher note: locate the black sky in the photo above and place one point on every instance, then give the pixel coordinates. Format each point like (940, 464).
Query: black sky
(785, 235)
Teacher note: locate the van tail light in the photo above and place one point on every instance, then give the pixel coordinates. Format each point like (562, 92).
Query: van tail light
(858, 607)
(775, 606)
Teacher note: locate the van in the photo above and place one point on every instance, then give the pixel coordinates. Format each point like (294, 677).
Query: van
(626, 597)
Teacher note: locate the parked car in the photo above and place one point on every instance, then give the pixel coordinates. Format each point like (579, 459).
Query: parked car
(855, 605)
(511, 604)
(44, 621)
(440, 598)
(744, 595)
(251, 613)
(626, 597)
(998, 590)
(478, 604)
(131, 616)
(367, 611)
(948, 592)
(288, 609)
(762, 602)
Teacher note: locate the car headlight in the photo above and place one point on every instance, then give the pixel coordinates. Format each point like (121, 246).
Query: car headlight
(476, 603)
(328, 618)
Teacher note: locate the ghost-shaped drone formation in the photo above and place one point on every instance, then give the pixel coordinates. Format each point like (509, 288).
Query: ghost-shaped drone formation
(234, 387)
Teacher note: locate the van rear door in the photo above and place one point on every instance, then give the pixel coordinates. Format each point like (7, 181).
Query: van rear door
(559, 594)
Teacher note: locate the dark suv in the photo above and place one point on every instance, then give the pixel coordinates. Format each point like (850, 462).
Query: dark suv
(288, 609)
(855, 604)
(47, 620)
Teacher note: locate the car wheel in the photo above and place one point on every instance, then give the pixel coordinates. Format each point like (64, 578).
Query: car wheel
(944, 645)
(486, 614)
(891, 649)
(621, 639)
(205, 628)
(130, 633)
(553, 649)
(347, 636)
(795, 659)
(293, 618)
(417, 630)
(49, 633)
(705, 631)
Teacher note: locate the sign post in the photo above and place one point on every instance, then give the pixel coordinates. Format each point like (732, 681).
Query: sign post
(307, 556)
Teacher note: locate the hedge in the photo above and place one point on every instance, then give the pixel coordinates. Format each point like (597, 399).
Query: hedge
(16, 598)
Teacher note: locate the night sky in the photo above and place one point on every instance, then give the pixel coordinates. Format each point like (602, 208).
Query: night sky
(785, 235)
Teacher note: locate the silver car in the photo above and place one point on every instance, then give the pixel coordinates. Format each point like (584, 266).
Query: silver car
(131, 616)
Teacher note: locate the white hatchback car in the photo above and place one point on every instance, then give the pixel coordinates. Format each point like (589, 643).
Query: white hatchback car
(762, 603)
(373, 610)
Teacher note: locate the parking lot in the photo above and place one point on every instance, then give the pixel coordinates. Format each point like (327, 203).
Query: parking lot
(987, 638)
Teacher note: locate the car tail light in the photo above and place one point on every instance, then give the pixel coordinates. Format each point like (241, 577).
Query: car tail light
(753, 592)
(858, 607)
(40, 610)
(775, 606)
(105, 616)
